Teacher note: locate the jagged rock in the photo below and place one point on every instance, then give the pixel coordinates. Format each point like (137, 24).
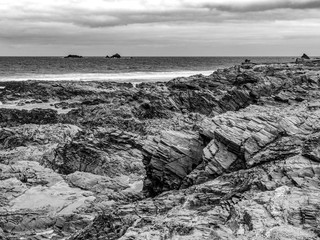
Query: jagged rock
(169, 158)
(11, 117)
(105, 115)
(29, 172)
(311, 147)
(305, 56)
(106, 226)
(248, 204)
(232, 155)
(31, 142)
(110, 153)
(33, 197)
(103, 185)
(283, 97)
(260, 134)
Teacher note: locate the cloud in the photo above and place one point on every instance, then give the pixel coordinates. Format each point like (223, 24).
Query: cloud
(157, 26)
(108, 13)
(256, 6)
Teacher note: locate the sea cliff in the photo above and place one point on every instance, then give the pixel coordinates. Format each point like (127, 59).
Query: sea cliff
(232, 155)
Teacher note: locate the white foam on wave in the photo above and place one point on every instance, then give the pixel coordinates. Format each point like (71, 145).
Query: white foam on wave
(118, 77)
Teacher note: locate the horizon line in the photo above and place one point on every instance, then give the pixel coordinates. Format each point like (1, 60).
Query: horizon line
(104, 56)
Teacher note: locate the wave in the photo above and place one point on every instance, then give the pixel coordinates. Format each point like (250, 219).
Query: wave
(118, 77)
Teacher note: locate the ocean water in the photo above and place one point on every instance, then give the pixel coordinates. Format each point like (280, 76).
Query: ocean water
(136, 69)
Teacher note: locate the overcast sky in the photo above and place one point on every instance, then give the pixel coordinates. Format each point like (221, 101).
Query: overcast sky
(160, 27)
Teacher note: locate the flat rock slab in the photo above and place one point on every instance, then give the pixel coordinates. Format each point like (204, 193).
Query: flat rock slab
(59, 199)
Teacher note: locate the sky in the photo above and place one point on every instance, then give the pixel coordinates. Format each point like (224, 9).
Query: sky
(160, 27)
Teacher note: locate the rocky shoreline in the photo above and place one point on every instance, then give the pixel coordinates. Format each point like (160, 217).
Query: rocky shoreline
(232, 155)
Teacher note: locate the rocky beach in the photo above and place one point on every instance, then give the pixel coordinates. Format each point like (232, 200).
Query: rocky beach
(231, 155)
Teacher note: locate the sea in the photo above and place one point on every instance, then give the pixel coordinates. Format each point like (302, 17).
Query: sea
(125, 69)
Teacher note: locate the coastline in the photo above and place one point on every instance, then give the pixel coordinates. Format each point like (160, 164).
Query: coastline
(235, 149)
(108, 77)
(97, 68)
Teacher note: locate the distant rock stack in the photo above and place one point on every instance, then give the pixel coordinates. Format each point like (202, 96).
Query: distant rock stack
(311, 61)
(73, 56)
(305, 56)
(117, 55)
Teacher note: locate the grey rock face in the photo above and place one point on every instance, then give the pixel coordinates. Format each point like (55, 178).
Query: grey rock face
(169, 158)
(257, 178)
(233, 155)
(305, 56)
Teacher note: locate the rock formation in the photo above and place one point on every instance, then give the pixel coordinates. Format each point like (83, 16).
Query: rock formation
(73, 56)
(305, 56)
(232, 155)
(117, 55)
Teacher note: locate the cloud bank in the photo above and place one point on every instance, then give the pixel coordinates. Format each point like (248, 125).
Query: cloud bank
(258, 6)
(159, 27)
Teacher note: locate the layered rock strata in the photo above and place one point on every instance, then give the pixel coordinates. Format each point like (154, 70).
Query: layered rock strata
(232, 155)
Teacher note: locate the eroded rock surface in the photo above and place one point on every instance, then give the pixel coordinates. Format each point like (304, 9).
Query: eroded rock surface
(169, 158)
(232, 155)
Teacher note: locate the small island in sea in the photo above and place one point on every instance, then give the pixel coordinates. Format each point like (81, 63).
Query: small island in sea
(230, 155)
(73, 56)
(117, 55)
